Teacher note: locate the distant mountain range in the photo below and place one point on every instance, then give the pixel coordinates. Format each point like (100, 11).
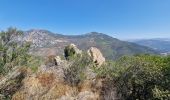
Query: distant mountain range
(45, 41)
(160, 44)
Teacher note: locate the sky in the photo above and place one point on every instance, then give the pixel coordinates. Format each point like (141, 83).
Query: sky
(123, 19)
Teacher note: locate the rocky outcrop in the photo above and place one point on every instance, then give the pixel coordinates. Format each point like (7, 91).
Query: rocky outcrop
(77, 51)
(96, 55)
(71, 50)
(53, 60)
(58, 60)
(49, 82)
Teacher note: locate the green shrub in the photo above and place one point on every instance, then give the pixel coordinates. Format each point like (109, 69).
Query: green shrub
(105, 70)
(74, 74)
(69, 51)
(34, 62)
(12, 53)
(160, 94)
(139, 77)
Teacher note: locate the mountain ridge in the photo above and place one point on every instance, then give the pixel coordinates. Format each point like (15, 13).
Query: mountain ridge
(112, 48)
(160, 44)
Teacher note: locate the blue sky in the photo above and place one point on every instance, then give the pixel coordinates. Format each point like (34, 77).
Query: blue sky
(123, 19)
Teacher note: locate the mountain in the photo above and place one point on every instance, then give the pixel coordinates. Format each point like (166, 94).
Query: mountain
(160, 44)
(45, 42)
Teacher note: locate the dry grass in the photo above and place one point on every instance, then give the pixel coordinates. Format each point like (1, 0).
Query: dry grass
(43, 86)
(85, 86)
(49, 59)
(46, 79)
(19, 96)
(60, 89)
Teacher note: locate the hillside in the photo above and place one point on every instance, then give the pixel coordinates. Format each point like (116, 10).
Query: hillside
(112, 48)
(161, 44)
(79, 74)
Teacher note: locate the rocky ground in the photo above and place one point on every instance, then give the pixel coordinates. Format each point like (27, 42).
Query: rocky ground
(49, 81)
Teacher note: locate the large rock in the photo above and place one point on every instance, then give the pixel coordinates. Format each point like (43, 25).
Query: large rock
(58, 61)
(77, 51)
(96, 55)
(71, 50)
(53, 60)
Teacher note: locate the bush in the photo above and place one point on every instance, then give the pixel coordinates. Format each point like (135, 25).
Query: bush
(105, 70)
(69, 51)
(160, 93)
(136, 77)
(34, 62)
(74, 74)
(139, 77)
(12, 52)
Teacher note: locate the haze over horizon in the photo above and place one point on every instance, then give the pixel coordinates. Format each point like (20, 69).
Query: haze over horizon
(130, 19)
